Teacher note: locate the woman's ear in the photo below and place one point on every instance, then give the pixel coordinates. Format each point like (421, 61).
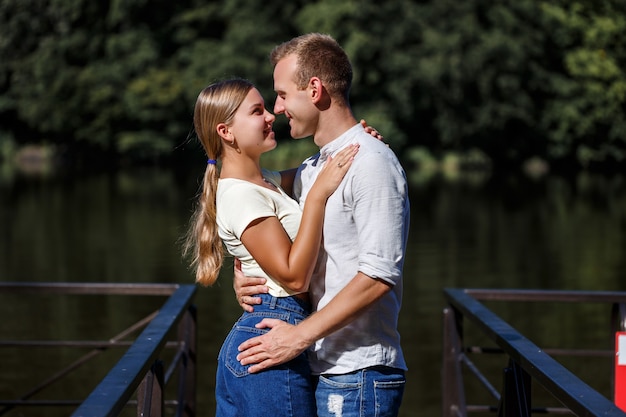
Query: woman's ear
(224, 132)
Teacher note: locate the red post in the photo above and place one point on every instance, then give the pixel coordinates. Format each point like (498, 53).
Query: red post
(620, 370)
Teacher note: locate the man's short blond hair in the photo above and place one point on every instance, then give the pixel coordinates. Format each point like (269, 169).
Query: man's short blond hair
(318, 55)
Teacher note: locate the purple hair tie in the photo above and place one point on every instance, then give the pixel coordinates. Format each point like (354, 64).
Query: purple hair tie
(211, 161)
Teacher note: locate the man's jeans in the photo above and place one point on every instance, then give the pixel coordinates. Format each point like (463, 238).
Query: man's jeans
(282, 391)
(370, 392)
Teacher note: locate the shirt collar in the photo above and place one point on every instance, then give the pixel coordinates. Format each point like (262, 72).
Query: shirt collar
(349, 136)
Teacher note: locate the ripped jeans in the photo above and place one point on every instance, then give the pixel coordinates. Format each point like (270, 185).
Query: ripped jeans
(369, 392)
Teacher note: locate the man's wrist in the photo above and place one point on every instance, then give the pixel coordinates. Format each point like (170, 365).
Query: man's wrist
(305, 335)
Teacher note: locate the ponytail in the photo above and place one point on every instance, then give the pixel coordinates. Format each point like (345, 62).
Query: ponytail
(216, 104)
(203, 243)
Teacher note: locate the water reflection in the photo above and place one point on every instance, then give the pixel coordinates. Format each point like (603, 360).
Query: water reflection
(510, 232)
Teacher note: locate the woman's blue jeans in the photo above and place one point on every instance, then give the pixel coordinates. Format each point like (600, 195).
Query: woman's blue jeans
(285, 390)
(369, 392)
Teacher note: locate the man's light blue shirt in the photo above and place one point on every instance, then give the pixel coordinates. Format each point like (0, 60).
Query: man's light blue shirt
(366, 226)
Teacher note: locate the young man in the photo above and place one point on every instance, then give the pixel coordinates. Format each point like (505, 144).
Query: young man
(356, 287)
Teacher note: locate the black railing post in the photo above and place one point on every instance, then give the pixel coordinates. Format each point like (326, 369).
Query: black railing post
(187, 333)
(516, 396)
(452, 391)
(150, 392)
(530, 361)
(118, 386)
(618, 324)
(139, 372)
(618, 318)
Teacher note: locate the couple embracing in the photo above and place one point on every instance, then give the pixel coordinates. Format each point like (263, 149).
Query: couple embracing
(321, 247)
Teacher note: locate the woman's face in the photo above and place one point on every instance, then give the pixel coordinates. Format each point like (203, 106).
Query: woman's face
(252, 125)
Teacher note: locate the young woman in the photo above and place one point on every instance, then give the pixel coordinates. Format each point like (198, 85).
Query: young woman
(244, 209)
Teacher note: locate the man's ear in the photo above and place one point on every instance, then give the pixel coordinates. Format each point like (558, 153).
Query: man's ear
(316, 89)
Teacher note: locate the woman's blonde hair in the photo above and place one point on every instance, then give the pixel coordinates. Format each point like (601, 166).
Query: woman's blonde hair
(216, 104)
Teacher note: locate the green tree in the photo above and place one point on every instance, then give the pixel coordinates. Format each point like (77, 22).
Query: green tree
(383, 51)
(477, 66)
(70, 77)
(586, 116)
(231, 38)
(513, 79)
(519, 79)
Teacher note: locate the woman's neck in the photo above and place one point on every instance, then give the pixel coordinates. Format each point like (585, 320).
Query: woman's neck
(241, 167)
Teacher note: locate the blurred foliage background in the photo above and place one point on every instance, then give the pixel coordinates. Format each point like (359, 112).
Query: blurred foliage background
(498, 83)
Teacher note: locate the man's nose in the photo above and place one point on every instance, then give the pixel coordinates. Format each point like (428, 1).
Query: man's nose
(278, 106)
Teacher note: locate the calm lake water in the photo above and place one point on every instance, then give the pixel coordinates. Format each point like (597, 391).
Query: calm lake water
(472, 231)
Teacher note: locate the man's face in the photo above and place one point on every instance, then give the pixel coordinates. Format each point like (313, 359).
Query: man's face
(295, 104)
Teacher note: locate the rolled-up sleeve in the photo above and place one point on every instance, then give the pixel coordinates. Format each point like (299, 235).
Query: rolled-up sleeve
(381, 214)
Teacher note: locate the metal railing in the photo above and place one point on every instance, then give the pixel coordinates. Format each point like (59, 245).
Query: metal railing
(527, 362)
(140, 372)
